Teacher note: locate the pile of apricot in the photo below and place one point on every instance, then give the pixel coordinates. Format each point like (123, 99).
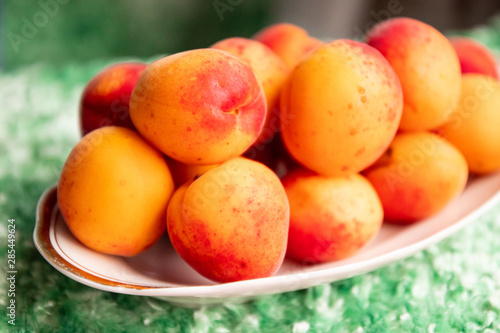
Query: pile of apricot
(251, 150)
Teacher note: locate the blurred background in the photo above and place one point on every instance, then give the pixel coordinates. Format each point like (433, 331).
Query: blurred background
(60, 31)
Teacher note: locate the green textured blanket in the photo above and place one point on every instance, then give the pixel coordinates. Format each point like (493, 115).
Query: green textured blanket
(453, 286)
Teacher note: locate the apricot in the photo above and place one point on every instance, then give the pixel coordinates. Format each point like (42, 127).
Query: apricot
(474, 126)
(113, 191)
(331, 218)
(183, 173)
(427, 66)
(231, 223)
(269, 69)
(105, 99)
(290, 42)
(342, 107)
(199, 107)
(419, 174)
(474, 57)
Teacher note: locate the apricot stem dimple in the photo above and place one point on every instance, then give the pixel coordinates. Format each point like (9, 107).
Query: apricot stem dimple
(235, 112)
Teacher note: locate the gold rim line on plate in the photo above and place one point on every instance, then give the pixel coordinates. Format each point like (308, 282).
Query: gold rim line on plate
(46, 210)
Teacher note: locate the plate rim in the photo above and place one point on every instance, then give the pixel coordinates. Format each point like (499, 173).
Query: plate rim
(47, 207)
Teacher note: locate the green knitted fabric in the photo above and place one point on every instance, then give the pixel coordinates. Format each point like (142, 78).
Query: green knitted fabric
(453, 286)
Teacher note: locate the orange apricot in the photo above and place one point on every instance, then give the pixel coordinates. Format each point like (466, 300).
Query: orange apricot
(331, 218)
(113, 191)
(231, 223)
(289, 41)
(105, 99)
(199, 107)
(419, 174)
(427, 66)
(474, 57)
(474, 125)
(340, 108)
(269, 69)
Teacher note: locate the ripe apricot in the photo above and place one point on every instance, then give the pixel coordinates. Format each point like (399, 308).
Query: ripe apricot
(331, 218)
(113, 191)
(269, 69)
(474, 57)
(427, 66)
(289, 41)
(474, 126)
(199, 106)
(340, 108)
(419, 174)
(105, 99)
(231, 223)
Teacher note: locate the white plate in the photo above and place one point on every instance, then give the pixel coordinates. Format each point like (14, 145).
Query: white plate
(160, 272)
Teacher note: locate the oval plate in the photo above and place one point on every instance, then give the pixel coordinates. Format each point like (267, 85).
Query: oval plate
(160, 272)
